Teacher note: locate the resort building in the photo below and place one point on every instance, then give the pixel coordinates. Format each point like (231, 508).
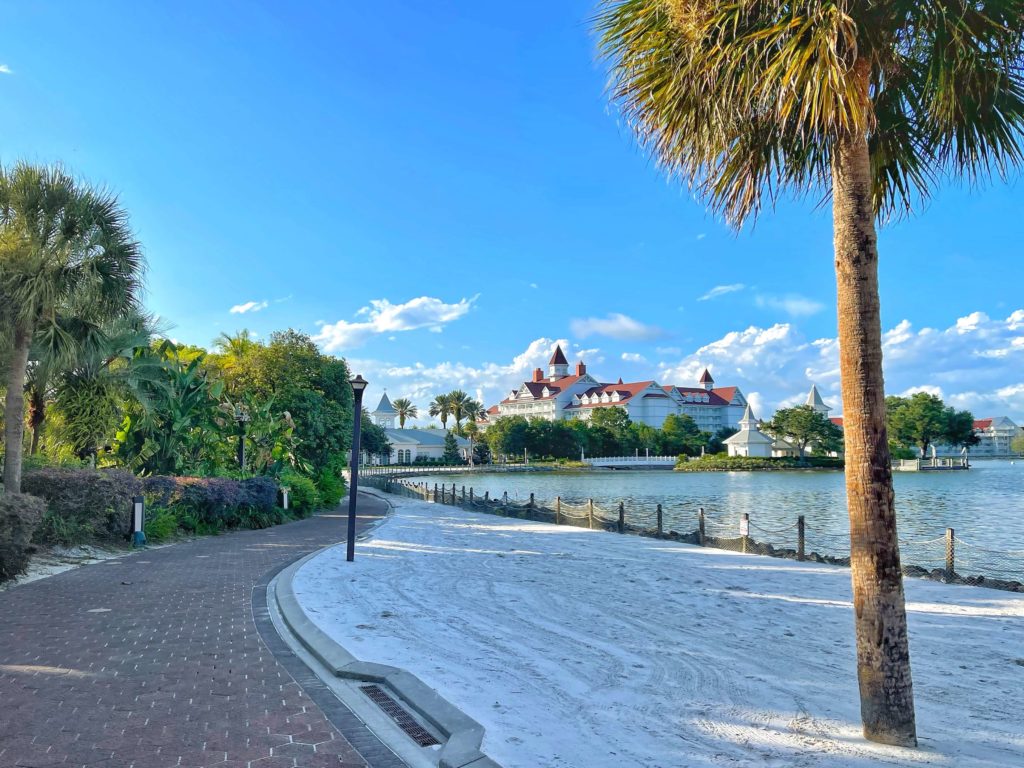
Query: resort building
(995, 435)
(408, 445)
(750, 440)
(562, 394)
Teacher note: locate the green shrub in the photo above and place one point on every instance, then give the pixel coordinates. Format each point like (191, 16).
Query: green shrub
(303, 496)
(723, 463)
(20, 514)
(331, 487)
(68, 532)
(92, 500)
(160, 524)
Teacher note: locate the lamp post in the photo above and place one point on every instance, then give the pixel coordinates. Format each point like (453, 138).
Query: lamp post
(242, 417)
(358, 386)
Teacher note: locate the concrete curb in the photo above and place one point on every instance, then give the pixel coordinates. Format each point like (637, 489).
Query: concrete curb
(463, 734)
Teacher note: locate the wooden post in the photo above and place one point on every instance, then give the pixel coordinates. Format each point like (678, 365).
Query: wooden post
(435, 493)
(745, 529)
(661, 526)
(453, 494)
(444, 494)
(531, 501)
(558, 508)
(504, 499)
(487, 497)
(471, 495)
(622, 517)
(800, 537)
(950, 554)
(700, 536)
(590, 515)
(463, 494)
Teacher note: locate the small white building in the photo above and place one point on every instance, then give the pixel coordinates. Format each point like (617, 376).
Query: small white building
(408, 445)
(750, 441)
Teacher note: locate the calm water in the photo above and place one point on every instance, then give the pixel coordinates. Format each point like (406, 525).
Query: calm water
(985, 506)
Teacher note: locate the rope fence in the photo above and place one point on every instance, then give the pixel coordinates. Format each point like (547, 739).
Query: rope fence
(943, 558)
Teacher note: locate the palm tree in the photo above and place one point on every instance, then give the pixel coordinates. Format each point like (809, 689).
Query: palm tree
(235, 346)
(462, 407)
(61, 243)
(405, 409)
(869, 104)
(441, 406)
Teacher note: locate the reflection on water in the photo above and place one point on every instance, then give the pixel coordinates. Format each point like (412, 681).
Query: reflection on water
(985, 505)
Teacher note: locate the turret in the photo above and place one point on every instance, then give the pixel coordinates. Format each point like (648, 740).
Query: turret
(706, 381)
(558, 366)
(385, 413)
(814, 401)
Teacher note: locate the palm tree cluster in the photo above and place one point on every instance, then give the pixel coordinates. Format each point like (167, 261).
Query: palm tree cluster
(869, 105)
(456, 405)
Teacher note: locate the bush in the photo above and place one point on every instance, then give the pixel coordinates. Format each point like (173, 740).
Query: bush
(724, 463)
(160, 524)
(303, 496)
(330, 487)
(19, 516)
(97, 502)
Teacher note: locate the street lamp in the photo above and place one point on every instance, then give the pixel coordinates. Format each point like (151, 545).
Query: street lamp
(358, 386)
(242, 417)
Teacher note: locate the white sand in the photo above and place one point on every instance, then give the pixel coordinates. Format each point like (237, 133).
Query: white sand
(589, 649)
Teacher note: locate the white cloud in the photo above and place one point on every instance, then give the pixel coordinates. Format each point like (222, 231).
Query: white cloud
(533, 285)
(385, 317)
(249, 306)
(976, 363)
(633, 357)
(702, 235)
(5, 70)
(721, 290)
(668, 351)
(616, 326)
(792, 304)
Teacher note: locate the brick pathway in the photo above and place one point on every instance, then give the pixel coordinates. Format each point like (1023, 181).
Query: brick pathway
(154, 660)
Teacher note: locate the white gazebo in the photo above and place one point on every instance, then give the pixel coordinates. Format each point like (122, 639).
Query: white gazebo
(749, 441)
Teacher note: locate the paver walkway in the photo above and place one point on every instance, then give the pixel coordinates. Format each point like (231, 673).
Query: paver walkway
(154, 660)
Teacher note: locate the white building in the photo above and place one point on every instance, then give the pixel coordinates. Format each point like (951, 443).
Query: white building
(408, 445)
(995, 435)
(561, 395)
(749, 441)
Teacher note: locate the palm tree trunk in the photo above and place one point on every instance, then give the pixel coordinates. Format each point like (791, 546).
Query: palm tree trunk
(14, 411)
(36, 417)
(883, 654)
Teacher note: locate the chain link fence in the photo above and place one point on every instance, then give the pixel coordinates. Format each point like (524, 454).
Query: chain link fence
(944, 558)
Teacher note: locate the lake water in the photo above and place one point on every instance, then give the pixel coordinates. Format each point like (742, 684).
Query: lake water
(985, 506)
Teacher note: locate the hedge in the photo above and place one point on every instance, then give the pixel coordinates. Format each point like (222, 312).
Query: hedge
(19, 516)
(91, 503)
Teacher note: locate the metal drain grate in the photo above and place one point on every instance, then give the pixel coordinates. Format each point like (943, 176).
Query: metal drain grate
(394, 710)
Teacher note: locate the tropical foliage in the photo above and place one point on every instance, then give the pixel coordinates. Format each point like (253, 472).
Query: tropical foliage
(803, 426)
(922, 420)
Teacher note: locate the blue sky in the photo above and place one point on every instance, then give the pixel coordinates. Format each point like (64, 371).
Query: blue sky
(440, 192)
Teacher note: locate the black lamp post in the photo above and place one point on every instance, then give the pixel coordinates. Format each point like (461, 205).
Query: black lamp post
(241, 417)
(358, 386)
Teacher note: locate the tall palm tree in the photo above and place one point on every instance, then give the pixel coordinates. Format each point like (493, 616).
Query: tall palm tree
(441, 407)
(405, 409)
(869, 104)
(462, 407)
(60, 242)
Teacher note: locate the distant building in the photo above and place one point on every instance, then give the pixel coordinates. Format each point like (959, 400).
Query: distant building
(750, 440)
(564, 395)
(385, 414)
(409, 444)
(995, 435)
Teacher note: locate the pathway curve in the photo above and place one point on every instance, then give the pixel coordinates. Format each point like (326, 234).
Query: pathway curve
(154, 660)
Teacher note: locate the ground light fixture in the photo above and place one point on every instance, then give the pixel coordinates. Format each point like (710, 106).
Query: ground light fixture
(358, 387)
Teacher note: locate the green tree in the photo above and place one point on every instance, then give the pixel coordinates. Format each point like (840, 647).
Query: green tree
(508, 436)
(614, 422)
(373, 439)
(405, 409)
(716, 443)
(451, 449)
(681, 435)
(865, 104)
(1017, 444)
(441, 407)
(918, 420)
(62, 243)
(461, 407)
(959, 430)
(802, 426)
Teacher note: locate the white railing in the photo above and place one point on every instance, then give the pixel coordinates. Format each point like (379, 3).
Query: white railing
(623, 461)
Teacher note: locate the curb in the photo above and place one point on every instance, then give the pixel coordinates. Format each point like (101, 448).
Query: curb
(463, 734)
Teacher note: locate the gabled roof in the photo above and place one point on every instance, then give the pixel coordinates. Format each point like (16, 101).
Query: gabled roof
(384, 406)
(705, 378)
(422, 437)
(982, 424)
(558, 358)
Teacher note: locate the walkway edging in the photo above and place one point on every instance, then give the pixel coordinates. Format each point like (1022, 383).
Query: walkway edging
(464, 735)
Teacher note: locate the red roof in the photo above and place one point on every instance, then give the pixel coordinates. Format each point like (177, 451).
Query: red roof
(705, 378)
(837, 420)
(981, 424)
(717, 397)
(493, 409)
(558, 358)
